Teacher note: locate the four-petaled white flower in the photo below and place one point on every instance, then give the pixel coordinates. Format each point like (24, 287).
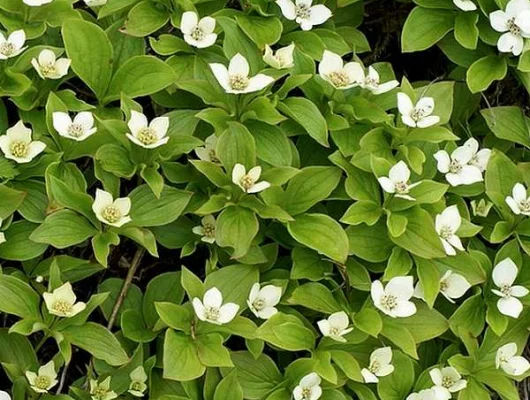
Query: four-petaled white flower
(44, 379)
(138, 378)
(397, 181)
(504, 275)
(514, 23)
(463, 167)
(335, 326)
(446, 224)
(36, 3)
(304, 13)
(62, 302)
(49, 67)
(481, 208)
(507, 359)
(211, 308)
(281, 58)
(479, 158)
(341, 76)
(78, 129)
(262, 301)
(380, 365)
(95, 3)
(372, 82)
(102, 391)
(446, 381)
(394, 299)
(308, 388)
(452, 286)
(109, 211)
(465, 5)
(17, 145)
(426, 394)
(418, 115)
(207, 153)
(145, 134)
(13, 45)
(198, 33)
(207, 229)
(235, 79)
(518, 201)
(248, 182)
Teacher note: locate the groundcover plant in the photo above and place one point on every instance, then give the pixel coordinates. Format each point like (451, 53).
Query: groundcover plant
(264, 200)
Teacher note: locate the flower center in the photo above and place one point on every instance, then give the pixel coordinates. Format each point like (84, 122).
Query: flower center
(335, 331)
(138, 386)
(48, 70)
(447, 382)
(147, 136)
(42, 382)
(306, 393)
(238, 82)
(455, 167)
(62, 306)
(259, 304)
(389, 302)
(197, 33)
(513, 27)
(339, 79)
(211, 313)
(303, 11)
(111, 214)
(401, 187)
(374, 367)
(209, 230)
(19, 148)
(247, 182)
(446, 232)
(99, 392)
(75, 130)
(524, 205)
(213, 156)
(443, 286)
(371, 82)
(7, 49)
(506, 290)
(418, 113)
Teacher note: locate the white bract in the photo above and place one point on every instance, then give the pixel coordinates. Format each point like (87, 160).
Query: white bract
(248, 182)
(341, 76)
(36, 3)
(446, 224)
(308, 388)
(335, 326)
(504, 275)
(110, 211)
(49, 67)
(207, 229)
(138, 378)
(4, 395)
(465, 5)
(463, 167)
(13, 45)
(207, 153)
(518, 201)
(394, 299)
(102, 391)
(17, 145)
(380, 365)
(198, 33)
(44, 379)
(447, 380)
(479, 158)
(78, 129)
(426, 394)
(514, 23)
(95, 3)
(62, 302)
(481, 208)
(372, 83)
(507, 359)
(304, 13)
(211, 309)
(281, 58)
(262, 301)
(418, 115)
(452, 286)
(235, 79)
(397, 181)
(145, 134)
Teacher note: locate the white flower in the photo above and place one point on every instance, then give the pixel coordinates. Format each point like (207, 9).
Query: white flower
(138, 379)
(518, 201)
(207, 153)
(4, 395)
(371, 82)
(426, 394)
(48, 66)
(211, 308)
(198, 33)
(341, 76)
(335, 326)
(397, 181)
(465, 5)
(393, 300)
(110, 211)
(79, 129)
(44, 379)
(101, 391)
(36, 3)
(308, 388)
(13, 45)
(262, 301)
(418, 115)
(282, 58)
(235, 79)
(457, 168)
(480, 158)
(304, 13)
(452, 286)
(95, 3)
(17, 145)
(504, 275)
(145, 134)
(446, 224)
(248, 182)
(207, 229)
(482, 208)
(62, 302)
(514, 23)
(380, 365)
(446, 381)
(510, 363)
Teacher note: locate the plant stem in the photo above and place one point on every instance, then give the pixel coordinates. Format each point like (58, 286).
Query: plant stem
(63, 379)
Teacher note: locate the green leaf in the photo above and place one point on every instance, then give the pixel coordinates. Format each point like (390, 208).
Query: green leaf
(261, 30)
(164, 287)
(424, 27)
(229, 388)
(307, 264)
(363, 211)
(18, 298)
(348, 364)
(181, 362)
(236, 146)
(484, 72)
(257, 376)
(369, 321)
(18, 245)
(145, 18)
(315, 296)
(508, 123)
(371, 243)
(398, 386)
(272, 144)
(11, 200)
(286, 332)
(236, 227)
(466, 31)
(234, 281)
(307, 114)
